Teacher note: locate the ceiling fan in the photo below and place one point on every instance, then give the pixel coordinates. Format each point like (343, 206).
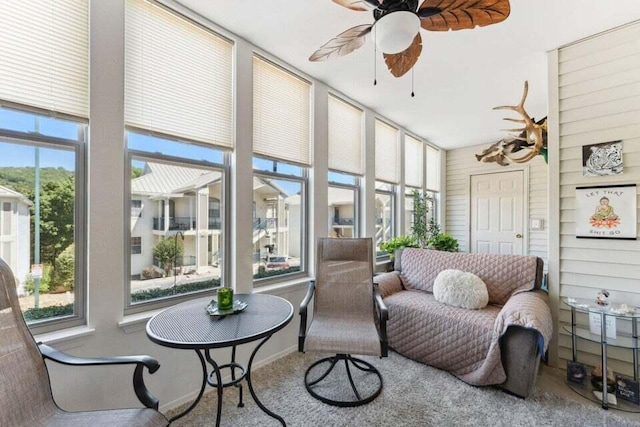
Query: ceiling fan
(397, 26)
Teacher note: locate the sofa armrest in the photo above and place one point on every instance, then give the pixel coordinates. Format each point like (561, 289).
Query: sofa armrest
(388, 283)
(529, 310)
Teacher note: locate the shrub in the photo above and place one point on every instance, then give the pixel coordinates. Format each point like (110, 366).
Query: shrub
(64, 268)
(150, 273)
(153, 293)
(48, 312)
(262, 273)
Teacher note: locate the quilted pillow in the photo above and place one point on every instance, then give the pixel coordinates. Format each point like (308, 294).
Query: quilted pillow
(460, 289)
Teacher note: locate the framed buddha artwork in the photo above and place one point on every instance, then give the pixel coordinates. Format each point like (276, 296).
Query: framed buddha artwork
(606, 212)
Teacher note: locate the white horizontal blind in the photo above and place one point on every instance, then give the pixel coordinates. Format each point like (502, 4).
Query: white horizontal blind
(413, 155)
(178, 76)
(433, 169)
(345, 137)
(281, 113)
(387, 153)
(44, 54)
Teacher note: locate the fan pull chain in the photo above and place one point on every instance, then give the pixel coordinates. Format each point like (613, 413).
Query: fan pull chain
(412, 83)
(375, 55)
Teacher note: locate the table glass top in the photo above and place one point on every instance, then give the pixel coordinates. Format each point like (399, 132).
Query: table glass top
(613, 309)
(187, 325)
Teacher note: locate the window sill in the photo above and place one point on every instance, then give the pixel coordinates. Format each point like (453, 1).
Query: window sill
(137, 322)
(66, 339)
(285, 287)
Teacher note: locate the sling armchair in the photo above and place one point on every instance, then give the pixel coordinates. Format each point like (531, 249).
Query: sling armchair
(349, 318)
(25, 391)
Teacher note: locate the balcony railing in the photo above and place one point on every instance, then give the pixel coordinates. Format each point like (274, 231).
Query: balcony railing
(184, 223)
(342, 221)
(267, 223)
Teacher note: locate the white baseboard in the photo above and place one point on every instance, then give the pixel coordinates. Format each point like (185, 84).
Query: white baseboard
(258, 364)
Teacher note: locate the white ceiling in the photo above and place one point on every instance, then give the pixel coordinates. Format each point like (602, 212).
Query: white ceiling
(460, 75)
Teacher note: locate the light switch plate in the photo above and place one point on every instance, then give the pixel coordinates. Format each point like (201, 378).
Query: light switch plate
(536, 224)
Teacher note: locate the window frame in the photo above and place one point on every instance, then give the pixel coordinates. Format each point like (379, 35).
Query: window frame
(303, 179)
(225, 228)
(79, 148)
(356, 197)
(138, 245)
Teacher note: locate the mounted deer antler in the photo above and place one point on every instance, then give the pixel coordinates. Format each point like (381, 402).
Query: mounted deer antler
(532, 131)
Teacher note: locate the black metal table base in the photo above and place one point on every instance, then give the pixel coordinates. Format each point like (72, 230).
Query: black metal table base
(348, 360)
(214, 379)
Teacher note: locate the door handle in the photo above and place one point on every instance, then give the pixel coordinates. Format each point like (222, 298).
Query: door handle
(518, 236)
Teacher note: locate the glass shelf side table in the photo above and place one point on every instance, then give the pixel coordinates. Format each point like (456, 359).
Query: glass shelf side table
(630, 342)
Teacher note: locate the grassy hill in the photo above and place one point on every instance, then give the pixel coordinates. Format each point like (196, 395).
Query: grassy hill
(22, 179)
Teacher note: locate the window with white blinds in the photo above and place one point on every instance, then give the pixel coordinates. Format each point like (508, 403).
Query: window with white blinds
(433, 169)
(178, 76)
(345, 137)
(44, 54)
(413, 155)
(387, 153)
(281, 113)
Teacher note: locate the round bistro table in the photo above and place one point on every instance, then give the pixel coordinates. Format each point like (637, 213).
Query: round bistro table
(188, 326)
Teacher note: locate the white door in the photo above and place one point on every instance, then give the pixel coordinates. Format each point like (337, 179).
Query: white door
(497, 213)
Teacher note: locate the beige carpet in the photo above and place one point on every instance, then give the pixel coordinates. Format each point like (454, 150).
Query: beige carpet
(413, 395)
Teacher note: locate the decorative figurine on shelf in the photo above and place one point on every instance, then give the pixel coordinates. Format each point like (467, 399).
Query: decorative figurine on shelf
(597, 378)
(602, 299)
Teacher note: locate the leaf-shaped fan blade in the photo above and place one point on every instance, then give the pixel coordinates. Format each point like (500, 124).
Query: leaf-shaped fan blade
(360, 5)
(400, 63)
(444, 15)
(343, 44)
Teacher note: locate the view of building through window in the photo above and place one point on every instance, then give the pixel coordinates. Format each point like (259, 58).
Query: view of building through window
(176, 223)
(343, 205)
(37, 216)
(278, 218)
(385, 206)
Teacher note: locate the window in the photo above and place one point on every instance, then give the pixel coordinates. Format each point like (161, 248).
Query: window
(345, 137)
(409, 209)
(42, 211)
(343, 200)
(179, 127)
(191, 95)
(433, 183)
(136, 206)
(136, 245)
(413, 154)
(177, 240)
(282, 153)
(385, 215)
(387, 153)
(279, 221)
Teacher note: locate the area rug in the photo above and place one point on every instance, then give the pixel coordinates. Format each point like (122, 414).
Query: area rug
(414, 395)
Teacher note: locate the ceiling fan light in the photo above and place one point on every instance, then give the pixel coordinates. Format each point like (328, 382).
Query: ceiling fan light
(395, 32)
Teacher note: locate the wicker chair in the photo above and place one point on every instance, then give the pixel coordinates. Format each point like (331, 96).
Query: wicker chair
(349, 317)
(25, 391)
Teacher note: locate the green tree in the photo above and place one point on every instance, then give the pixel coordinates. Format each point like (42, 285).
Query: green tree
(57, 203)
(166, 251)
(136, 172)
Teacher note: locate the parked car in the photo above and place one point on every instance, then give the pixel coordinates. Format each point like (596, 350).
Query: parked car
(277, 263)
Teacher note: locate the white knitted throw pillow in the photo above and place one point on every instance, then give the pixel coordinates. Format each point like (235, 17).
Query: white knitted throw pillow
(460, 289)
